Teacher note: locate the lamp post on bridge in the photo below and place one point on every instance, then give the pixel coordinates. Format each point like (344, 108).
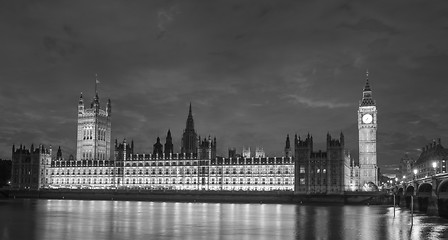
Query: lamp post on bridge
(434, 165)
(412, 200)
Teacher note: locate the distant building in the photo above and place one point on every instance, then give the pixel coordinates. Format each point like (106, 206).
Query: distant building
(259, 152)
(433, 153)
(246, 152)
(406, 167)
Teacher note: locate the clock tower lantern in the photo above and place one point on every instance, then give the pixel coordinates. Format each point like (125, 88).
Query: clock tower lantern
(367, 126)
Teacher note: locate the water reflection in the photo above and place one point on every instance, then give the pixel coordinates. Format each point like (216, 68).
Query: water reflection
(74, 219)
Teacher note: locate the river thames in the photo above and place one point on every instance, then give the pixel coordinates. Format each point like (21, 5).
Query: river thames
(77, 219)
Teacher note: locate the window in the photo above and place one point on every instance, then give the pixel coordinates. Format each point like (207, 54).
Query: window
(302, 169)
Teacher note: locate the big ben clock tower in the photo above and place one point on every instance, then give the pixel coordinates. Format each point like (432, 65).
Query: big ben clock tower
(367, 125)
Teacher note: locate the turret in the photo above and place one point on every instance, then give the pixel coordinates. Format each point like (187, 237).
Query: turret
(81, 105)
(168, 144)
(287, 147)
(158, 148)
(59, 154)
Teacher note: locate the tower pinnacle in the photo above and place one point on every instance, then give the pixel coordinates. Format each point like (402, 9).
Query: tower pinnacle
(367, 99)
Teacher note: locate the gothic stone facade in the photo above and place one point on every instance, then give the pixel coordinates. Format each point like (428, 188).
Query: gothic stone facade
(318, 172)
(30, 167)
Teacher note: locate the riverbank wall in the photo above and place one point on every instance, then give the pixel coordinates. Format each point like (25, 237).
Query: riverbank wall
(377, 198)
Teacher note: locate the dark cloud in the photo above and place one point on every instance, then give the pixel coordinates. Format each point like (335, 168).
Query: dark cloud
(371, 25)
(253, 70)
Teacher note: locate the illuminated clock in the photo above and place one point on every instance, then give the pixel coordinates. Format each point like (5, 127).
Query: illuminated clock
(367, 118)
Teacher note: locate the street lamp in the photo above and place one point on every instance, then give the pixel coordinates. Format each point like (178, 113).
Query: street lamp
(434, 165)
(415, 172)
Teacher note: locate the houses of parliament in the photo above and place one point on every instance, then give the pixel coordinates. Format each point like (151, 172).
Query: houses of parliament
(301, 169)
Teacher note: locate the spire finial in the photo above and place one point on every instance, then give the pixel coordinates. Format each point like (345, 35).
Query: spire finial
(367, 86)
(189, 111)
(96, 84)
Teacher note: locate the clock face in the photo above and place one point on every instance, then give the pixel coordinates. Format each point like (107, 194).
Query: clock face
(367, 118)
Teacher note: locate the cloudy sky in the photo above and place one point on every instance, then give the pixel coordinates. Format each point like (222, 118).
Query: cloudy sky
(254, 71)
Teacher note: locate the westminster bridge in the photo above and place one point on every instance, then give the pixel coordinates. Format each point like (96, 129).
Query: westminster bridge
(430, 194)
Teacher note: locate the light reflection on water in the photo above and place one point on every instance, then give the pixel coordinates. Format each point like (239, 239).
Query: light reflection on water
(74, 219)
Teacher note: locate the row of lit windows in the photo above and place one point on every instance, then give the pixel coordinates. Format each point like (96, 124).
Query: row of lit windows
(154, 162)
(227, 181)
(84, 172)
(181, 170)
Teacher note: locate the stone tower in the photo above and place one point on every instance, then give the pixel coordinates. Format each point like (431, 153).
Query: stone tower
(288, 152)
(94, 130)
(158, 148)
(367, 126)
(189, 137)
(169, 149)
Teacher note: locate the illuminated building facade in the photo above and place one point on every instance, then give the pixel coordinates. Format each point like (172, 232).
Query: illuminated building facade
(432, 160)
(196, 167)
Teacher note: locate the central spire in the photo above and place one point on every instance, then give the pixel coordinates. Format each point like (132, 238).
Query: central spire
(189, 137)
(190, 122)
(189, 112)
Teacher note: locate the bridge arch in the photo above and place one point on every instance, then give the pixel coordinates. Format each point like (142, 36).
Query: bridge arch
(442, 201)
(410, 190)
(443, 187)
(424, 188)
(423, 195)
(399, 195)
(408, 194)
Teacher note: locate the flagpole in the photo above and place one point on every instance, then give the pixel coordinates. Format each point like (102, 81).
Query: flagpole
(96, 83)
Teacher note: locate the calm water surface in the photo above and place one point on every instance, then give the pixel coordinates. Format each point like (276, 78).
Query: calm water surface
(75, 219)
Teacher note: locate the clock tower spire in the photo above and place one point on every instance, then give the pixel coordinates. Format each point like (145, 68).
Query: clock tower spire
(367, 127)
